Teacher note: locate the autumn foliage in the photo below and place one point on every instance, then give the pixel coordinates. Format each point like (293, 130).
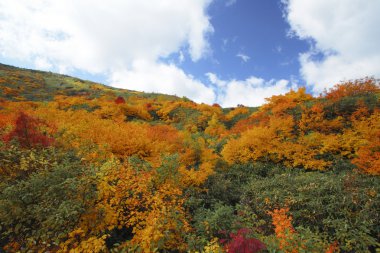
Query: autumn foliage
(283, 229)
(241, 242)
(119, 100)
(88, 168)
(352, 88)
(28, 131)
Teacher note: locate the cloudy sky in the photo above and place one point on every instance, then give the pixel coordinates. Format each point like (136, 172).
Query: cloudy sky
(225, 51)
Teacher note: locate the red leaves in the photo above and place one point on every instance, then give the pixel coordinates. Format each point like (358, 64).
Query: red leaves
(119, 100)
(28, 132)
(241, 243)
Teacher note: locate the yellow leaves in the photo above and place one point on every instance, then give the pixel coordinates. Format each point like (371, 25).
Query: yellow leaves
(91, 245)
(193, 177)
(213, 246)
(133, 198)
(215, 127)
(164, 111)
(237, 111)
(252, 145)
(161, 230)
(78, 243)
(197, 162)
(276, 142)
(260, 143)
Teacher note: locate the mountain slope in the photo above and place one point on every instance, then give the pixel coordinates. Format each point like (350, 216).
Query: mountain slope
(89, 168)
(20, 84)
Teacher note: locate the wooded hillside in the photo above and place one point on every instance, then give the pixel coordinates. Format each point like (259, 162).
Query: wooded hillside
(89, 168)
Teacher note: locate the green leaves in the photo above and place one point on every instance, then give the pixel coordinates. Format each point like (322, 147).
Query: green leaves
(47, 204)
(340, 205)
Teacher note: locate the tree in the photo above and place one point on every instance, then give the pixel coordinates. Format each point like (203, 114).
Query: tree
(119, 100)
(28, 131)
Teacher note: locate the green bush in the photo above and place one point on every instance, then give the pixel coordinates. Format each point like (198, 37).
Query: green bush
(344, 206)
(45, 206)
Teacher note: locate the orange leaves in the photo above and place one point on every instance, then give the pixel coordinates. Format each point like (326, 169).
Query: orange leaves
(6, 121)
(118, 138)
(276, 107)
(353, 88)
(364, 140)
(294, 129)
(282, 222)
(332, 248)
(290, 241)
(368, 157)
(165, 139)
(284, 229)
(237, 111)
(279, 105)
(313, 119)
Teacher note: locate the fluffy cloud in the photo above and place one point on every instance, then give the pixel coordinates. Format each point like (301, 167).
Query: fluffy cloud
(249, 92)
(345, 41)
(110, 37)
(162, 78)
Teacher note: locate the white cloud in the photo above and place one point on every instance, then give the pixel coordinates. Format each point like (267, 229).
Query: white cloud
(243, 57)
(230, 2)
(344, 32)
(213, 78)
(42, 63)
(249, 92)
(181, 57)
(103, 37)
(162, 78)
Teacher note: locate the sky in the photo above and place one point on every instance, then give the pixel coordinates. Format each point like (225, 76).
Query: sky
(228, 52)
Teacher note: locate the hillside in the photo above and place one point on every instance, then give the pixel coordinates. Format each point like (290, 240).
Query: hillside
(20, 84)
(89, 168)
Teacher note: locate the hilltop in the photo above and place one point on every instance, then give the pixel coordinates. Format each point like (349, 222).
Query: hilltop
(20, 84)
(89, 168)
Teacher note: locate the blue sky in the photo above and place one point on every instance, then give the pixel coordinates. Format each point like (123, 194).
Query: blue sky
(255, 29)
(225, 51)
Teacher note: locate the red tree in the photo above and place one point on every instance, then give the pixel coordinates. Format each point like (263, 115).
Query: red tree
(119, 100)
(241, 243)
(27, 132)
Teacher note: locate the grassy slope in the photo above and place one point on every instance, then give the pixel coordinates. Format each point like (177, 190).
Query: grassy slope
(24, 84)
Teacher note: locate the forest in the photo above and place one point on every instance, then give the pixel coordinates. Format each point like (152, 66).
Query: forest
(89, 168)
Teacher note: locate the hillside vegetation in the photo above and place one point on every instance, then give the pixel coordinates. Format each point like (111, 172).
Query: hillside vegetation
(89, 168)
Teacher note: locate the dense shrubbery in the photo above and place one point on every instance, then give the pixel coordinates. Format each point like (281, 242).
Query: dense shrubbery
(44, 206)
(336, 206)
(87, 168)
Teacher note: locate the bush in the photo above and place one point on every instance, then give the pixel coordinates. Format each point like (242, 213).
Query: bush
(44, 207)
(344, 206)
